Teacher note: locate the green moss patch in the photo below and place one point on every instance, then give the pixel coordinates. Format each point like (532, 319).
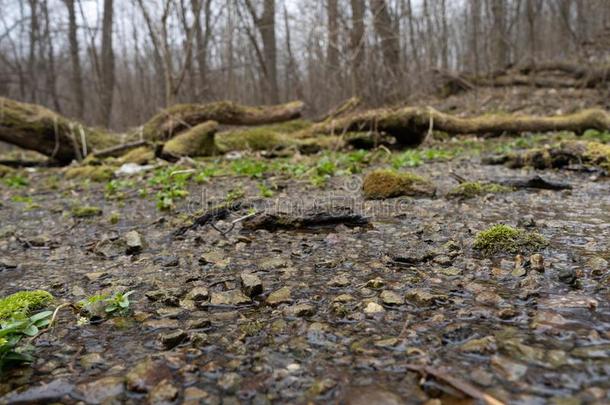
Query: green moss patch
(471, 189)
(23, 303)
(506, 239)
(140, 156)
(196, 141)
(93, 173)
(384, 183)
(5, 170)
(86, 211)
(264, 137)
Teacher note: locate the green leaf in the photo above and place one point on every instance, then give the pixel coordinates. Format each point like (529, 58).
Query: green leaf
(40, 316)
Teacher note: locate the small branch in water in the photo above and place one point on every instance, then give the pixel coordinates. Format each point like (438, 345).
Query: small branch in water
(457, 383)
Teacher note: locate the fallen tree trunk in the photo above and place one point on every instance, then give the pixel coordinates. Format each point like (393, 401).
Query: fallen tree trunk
(34, 127)
(558, 75)
(177, 118)
(410, 125)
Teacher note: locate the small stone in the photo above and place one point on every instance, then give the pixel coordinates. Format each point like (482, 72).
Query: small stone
(229, 382)
(194, 395)
(372, 395)
(488, 298)
(7, 263)
(300, 310)
(519, 272)
(483, 345)
(320, 387)
(173, 338)
(92, 360)
(283, 295)
(198, 294)
(134, 242)
(391, 298)
(101, 391)
(375, 283)
(567, 276)
(251, 284)
(233, 297)
(94, 276)
(163, 393)
(422, 297)
(339, 281)
(167, 261)
(344, 298)
(373, 308)
(508, 369)
(386, 343)
(443, 260)
(199, 323)
(537, 262)
(598, 265)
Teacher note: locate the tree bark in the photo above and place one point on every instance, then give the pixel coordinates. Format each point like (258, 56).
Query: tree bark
(389, 38)
(77, 75)
(357, 45)
(411, 125)
(107, 68)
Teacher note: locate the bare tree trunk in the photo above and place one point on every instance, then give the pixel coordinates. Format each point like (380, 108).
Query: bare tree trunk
(107, 71)
(445, 36)
(357, 45)
(500, 46)
(77, 75)
(266, 27)
(51, 75)
(34, 30)
(202, 40)
(332, 49)
(390, 45)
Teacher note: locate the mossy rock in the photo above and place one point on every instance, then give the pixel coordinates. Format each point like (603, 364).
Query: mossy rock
(22, 303)
(562, 154)
(140, 156)
(471, 189)
(93, 173)
(86, 211)
(506, 239)
(5, 170)
(385, 183)
(194, 142)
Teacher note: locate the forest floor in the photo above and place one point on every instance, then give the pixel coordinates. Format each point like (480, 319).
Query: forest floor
(324, 314)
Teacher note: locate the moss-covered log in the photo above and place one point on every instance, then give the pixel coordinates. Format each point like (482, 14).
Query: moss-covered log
(177, 118)
(196, 141)
(410, 125)
(36, 128)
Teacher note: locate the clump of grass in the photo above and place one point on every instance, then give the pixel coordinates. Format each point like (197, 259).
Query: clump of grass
(15, 181)
(506, 239)
(471, 189)
(173, 182)
(265, 190)
(86, 211)
(249, 167)
(22, 303)
(385, 183)
(236, 193)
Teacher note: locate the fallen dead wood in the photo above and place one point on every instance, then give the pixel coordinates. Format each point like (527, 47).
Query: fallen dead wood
(34, 127)
(118, 150)
(177, 118)
(410, 125)
(542, 75)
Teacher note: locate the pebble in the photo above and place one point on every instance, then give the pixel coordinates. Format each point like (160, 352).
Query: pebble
(339, 281)
(233, 297)
(251, 284)
(537, 262)
(373, 308)
(134, 242)
(163, 393)
(300, 310)
(281, 296)
(391, 298)
(173, 338)
(198, 294)
(146, 375)
(102, 390)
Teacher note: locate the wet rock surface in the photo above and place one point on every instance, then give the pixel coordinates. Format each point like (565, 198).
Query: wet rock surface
(327, 313)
